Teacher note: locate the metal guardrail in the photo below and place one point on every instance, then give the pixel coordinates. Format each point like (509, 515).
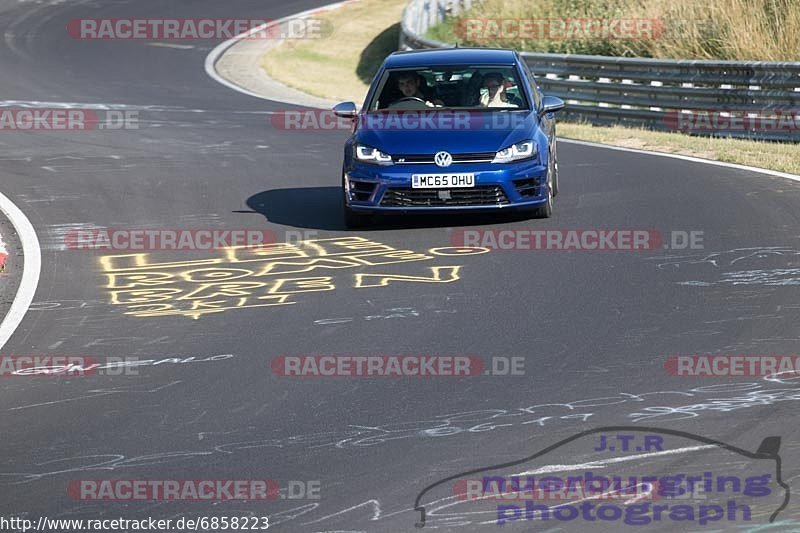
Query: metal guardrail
(658, 94)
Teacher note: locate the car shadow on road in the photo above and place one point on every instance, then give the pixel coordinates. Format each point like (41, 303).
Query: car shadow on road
(321, 208)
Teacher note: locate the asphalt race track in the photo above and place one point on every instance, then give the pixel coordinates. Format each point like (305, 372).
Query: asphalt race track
(594, 327)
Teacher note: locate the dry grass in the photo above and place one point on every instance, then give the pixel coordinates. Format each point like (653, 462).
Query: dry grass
(767, 30)
(340, 66)
(784, 157)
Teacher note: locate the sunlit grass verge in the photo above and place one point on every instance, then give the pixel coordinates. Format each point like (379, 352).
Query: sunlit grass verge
(758, 30)
(783, 157)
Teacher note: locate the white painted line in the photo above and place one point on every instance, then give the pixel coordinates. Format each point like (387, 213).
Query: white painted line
(601, 463)
(172, 45)
(216, 53)
(31, 268)
(768, 172)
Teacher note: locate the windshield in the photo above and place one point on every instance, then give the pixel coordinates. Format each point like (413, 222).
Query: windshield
(457, 87)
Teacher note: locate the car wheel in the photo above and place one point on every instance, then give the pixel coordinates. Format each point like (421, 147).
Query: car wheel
(555, 174)
(546, 211)
(353, 220)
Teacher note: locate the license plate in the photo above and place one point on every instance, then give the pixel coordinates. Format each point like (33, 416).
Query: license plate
(442, 181)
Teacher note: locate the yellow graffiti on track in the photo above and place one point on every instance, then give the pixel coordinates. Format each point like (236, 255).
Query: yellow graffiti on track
(264, 276)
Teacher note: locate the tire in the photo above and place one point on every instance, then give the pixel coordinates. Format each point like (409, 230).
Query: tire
(353, 220)
(546, 211)
(555, 176)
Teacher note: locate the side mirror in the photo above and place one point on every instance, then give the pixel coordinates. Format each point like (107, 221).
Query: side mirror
(551, 104)
(345, 110)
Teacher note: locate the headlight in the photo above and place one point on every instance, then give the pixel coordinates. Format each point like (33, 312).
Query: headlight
(365, 153)
(517, 152)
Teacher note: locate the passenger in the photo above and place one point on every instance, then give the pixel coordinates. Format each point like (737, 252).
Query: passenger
(495, 95)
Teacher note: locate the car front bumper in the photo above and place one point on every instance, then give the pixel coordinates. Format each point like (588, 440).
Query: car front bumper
(375, 188)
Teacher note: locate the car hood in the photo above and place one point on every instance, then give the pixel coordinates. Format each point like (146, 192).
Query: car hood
(479, 132)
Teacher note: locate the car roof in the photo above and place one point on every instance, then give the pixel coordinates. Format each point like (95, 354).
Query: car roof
(451, 56)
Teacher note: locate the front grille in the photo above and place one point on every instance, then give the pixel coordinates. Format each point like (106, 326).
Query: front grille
(477, 196)
(528, 187)
(469, 157)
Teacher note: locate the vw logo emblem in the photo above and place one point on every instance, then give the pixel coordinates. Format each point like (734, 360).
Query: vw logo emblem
(443, 159)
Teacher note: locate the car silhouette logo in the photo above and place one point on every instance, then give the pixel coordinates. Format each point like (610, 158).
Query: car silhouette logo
(443, 159)
(435, 504)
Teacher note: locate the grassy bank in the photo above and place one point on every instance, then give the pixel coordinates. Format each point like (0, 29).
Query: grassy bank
(783, 157)
(765, 30)
(341, 66)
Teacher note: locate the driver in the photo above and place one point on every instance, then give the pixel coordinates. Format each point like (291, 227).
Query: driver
(409, 84)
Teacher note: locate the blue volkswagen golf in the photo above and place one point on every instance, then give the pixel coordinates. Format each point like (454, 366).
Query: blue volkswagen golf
(450, 130)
